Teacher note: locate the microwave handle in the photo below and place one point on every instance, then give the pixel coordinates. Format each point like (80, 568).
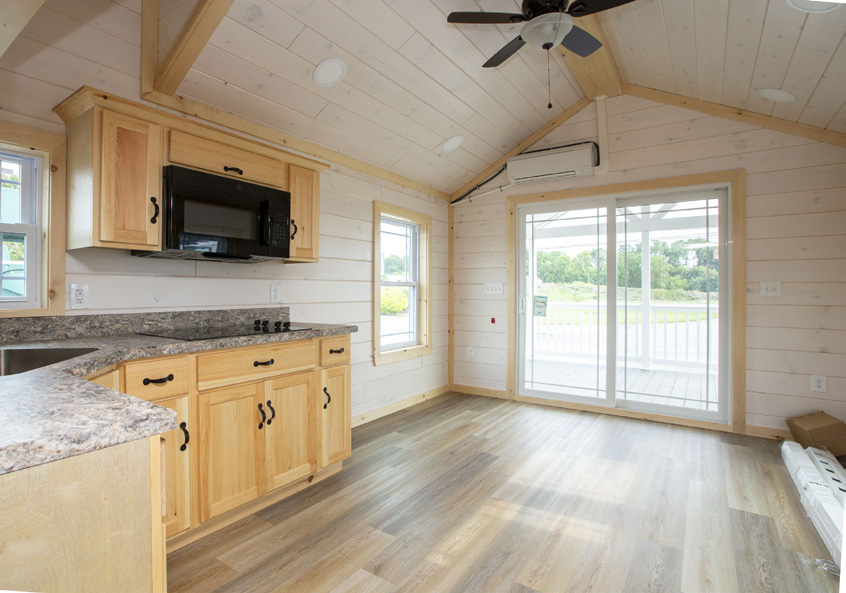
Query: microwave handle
(264, 222)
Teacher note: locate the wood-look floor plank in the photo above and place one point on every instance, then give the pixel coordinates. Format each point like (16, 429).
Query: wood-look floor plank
(466, 494)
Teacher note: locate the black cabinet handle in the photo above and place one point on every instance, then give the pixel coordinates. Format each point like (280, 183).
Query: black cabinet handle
(272, 413)
(338, 351)
(294, 234)
(263, 416)
(147, 381)
(155, 212)
(235, 169)
(328, 401)
(184, 428)
(266, 363)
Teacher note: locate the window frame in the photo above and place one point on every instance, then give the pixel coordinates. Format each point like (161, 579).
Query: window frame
(50, 211)
(30, 186)
(422, 304)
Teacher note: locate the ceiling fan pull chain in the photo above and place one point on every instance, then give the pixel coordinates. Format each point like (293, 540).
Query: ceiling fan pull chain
(548, 82)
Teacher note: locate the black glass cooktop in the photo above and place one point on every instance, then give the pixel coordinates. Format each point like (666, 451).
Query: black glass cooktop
(210, 333)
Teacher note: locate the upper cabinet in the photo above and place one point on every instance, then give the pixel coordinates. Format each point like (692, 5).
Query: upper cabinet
(116, 151)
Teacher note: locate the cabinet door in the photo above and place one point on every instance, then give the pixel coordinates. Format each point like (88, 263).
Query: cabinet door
(231, 444)
(131, 176)
(177, 467)
(305, 210)
(335, 406)
(292, 431)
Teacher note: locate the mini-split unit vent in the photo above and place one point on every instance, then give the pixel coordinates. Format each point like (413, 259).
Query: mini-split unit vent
(550, 165)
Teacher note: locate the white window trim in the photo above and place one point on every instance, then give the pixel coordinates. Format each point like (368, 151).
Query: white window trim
(423, 346)
(30, 186)
(52, 148)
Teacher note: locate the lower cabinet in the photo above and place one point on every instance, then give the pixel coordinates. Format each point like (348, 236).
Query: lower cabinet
(291, 436)
(337, 444)
(177, 516)
(231, 424)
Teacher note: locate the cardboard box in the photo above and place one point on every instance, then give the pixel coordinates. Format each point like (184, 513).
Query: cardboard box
(819, 430)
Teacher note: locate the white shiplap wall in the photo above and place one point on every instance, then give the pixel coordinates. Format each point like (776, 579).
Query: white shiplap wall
(796, 226)
(74, 42)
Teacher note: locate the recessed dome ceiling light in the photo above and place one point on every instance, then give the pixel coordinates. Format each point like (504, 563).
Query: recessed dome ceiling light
(814, 6)
(452, 143)
(777, 95)
(330, 72)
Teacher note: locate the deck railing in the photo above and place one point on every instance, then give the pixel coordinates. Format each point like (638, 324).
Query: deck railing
(666, 334)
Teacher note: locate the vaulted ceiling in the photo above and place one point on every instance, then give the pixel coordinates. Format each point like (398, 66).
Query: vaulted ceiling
(413, 80)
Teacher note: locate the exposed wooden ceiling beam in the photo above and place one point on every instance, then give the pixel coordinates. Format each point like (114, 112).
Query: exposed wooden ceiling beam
(13, 18)
(149, 44)
(748, 117)
(186, 48)
(543, 131)
(597, 74)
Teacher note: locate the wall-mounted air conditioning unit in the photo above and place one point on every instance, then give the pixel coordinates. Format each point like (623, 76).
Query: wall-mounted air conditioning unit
(549, 165)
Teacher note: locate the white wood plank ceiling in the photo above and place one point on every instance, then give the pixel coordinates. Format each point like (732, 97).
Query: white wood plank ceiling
(724, 51)
(412, 81)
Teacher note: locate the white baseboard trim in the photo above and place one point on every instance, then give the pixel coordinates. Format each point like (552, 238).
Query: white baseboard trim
(397, 406)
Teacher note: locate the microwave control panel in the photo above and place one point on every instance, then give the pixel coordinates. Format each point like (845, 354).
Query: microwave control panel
(279, 229)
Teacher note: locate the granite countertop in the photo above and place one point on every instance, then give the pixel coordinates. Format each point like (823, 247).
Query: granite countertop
(52, 413)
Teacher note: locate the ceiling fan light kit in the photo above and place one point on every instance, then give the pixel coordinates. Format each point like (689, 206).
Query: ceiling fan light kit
(547, 31)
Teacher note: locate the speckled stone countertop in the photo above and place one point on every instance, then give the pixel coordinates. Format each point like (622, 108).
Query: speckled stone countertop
(52, 413)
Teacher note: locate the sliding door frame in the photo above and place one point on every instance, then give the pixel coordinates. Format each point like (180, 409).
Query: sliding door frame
(735, 181)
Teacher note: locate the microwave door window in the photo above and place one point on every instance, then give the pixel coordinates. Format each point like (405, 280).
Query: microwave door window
(215, 220)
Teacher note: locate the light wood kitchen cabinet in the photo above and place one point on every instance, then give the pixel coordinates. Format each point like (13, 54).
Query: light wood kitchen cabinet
(231, 447)
(291, 435)
(177, 517)
(304, 185)
(335, 422)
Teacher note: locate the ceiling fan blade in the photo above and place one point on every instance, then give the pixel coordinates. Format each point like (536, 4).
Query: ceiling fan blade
(485, 18)
(586, 7)
(506, 52)
(580, 42)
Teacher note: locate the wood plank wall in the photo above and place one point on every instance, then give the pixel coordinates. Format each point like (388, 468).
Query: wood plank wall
(796, 226)
(68, 44)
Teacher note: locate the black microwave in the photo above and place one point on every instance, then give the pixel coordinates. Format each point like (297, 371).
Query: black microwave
(214, 218)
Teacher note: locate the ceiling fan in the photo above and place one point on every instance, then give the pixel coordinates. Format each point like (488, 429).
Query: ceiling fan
(548, 23)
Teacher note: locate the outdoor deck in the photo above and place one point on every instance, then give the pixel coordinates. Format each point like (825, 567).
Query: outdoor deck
(685, 389)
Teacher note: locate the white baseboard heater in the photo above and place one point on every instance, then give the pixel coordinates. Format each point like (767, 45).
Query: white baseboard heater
(821, 482)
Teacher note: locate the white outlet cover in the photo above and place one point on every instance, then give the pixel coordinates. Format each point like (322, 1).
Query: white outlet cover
(771, 289)
(818, 383)
(275, 293)
(470, 352)
(79, 296)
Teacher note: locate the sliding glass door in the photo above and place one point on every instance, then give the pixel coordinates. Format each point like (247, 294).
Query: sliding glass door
(623, 303)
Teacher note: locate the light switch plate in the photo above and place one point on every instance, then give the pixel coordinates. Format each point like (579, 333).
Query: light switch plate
(771, 289)
(493, 288)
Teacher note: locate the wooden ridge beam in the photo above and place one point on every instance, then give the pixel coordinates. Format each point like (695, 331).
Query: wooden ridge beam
(747, 117)
(13, 18)
(540, 133)
(597, 74)
(186, 48)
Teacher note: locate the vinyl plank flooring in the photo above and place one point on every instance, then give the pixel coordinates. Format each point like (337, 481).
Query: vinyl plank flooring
(467, 494)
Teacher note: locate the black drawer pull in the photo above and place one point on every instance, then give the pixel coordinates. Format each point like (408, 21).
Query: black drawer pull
(235, 169)
(294, 234)
(266, 363)
(147, 381)
(338, 351)
(263, 416)
(328, 401)
(272, 413)
(184, 428)
(155, 212)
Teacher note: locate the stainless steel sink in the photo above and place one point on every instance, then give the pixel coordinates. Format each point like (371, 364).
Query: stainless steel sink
(20, 360)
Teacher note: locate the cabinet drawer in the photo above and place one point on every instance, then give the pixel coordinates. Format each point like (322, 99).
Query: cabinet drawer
(157, 378)
(249, 364)
(334, 351)
(204, 154)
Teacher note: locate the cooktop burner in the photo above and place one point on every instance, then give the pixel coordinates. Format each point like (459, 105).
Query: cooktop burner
(210, 333)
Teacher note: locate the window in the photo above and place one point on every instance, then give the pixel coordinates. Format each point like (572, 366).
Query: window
(20, 286)
(401, 296)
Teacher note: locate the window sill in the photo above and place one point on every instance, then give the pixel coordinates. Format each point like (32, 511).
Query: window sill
(390, 356)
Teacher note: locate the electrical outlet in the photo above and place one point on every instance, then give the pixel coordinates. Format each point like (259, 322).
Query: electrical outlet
(79, 296)
(275, 293)
(470, 352)
(818, 383)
